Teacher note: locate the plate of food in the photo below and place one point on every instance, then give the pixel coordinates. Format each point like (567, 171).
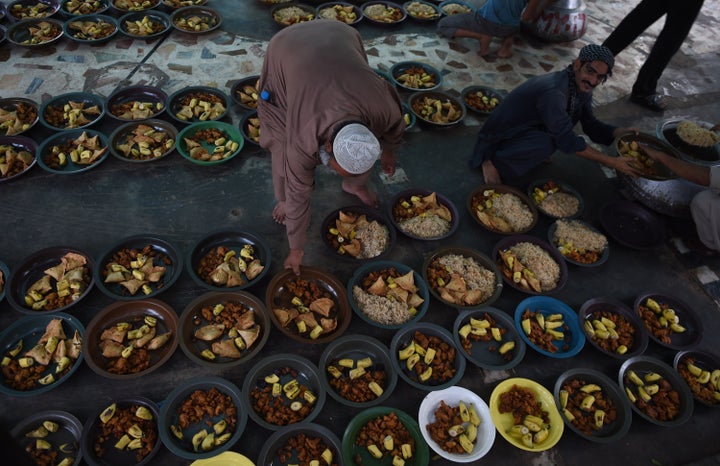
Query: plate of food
(227, 259)
(502, 209)
(51, 435)
(51, 280)
(122, 433)
(383, 13)
(358, 233)
(143, 141)
(223, 329)
(462, 277)
(202, 417)
(424, 214)
(195, 104)
(579, 242)
(91, 28)
(669, 321)
(340, 11)
(701, 371)
(138, 267)
(74, 151)
(481, 99)
(75, 8)
(388, 294)
(367, 432)
(530, 265)
(456, 424)
(209, 143)
(592, 405)
(525, 414)
(129, 339)
(134, 103)
(286, 15)
(17, 156)
(18, 115)
(72, 111)
(424, 355)
(488, 338)
(414, 76)
(422, 11)
(613, 328)
(696, 141)
(300, 443)
(18, 10)
(437, 109)
(309, 308)
(43, 351)
(196, 19)
(282, 390)
(35, 32)
(357, 371)
(549, 326)
(657, 393)
(632, 145)
(556, 199)
(244, 92)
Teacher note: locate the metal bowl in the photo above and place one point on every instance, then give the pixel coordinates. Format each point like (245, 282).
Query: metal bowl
(356, 348)
(73, 28)
(236, 92)
(667, 131)
(91, 106)
(192, 319)
(133, 103)
(279, 296)
(330, 6)
(33, 268)
(308, 15)
(132, 313)
(93, 435)
(632, 225)
(20, 32)
(205, 20)
(18, 144)
(406, 197)
(476, 197)
(401, 68)
(399, 13)
(50, 164)
(644, 365)
(30, 114)
(617, 405)
(124, 147)
(406, 336)
(74, 8)
(160, 24)
(19, 10)
(163, 253)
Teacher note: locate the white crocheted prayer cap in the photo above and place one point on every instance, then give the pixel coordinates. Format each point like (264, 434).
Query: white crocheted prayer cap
(355, 148)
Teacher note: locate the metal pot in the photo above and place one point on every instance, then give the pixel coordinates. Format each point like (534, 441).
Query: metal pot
(706, 156)
(561, 21)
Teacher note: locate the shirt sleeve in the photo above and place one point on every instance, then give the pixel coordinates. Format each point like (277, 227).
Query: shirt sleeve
(299, 186)
(715, 178)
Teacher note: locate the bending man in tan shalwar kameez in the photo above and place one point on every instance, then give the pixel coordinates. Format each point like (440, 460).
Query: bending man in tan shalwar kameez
(315, 80)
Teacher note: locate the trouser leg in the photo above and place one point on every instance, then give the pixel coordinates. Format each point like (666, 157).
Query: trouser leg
(678, 22)
(634, 24)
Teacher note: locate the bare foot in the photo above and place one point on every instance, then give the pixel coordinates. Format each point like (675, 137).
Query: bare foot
(483, 53)
(504, 53)
(279, 213)
(367, 196)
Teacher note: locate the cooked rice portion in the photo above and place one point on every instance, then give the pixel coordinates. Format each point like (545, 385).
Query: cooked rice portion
(455, 9)
(374, 239)
(291, 14)
(425, 226)
(539, 262)
(696, 135)
(475, 275)
(579, 235)
(514, 211)
(560, 205)
(381, 309)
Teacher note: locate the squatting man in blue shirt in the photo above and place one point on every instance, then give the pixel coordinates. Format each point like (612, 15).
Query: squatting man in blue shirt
(537, 118)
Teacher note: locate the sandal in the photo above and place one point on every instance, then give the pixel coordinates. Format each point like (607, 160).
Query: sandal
(654, 102)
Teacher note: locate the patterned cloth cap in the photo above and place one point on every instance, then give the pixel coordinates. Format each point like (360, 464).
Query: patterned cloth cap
(593, 52)
(355, 148)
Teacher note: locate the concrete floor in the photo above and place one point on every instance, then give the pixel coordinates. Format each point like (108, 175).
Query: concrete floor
(182, 202)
